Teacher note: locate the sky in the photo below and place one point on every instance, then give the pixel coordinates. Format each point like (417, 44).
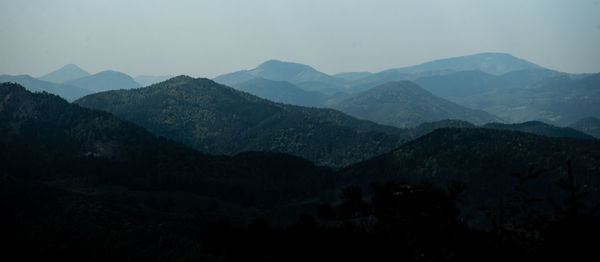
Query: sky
(209, 38)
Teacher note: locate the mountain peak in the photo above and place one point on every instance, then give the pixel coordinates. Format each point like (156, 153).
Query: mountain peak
(66, 73)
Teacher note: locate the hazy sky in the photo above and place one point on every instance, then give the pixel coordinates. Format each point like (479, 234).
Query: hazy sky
(208, 38)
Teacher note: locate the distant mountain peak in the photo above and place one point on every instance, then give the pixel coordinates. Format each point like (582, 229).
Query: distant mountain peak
(491, 63)
(279, 63)
(66, 73)
(303, 76)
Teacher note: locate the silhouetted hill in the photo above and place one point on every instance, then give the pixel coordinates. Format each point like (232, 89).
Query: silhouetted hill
(300, 75)
(64, 74)
(484, 159)
(282, 92)
(405, 104)
(144, 80)
(588, 125)
(218, 119)
(537, 127)
(66, 91)
(106, 80)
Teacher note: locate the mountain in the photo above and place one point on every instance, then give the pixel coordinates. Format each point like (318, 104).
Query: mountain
(144, 80)
(66, 91)
(351, 76)
(217, 119)
(300, 75)
(405, 104)
(105, 80)
(491, 63)
(64, 74)
(557, 100)
(537, 127)
(588, 125)
(94, 187)
(282, 92)
(485, 159)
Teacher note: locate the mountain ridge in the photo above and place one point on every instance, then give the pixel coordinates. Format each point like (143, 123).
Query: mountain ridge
(405, 104)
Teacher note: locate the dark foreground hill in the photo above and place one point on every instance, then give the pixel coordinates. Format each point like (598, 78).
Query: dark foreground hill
(540, 128)
(45, 138)
(484, 159)
(217, 119)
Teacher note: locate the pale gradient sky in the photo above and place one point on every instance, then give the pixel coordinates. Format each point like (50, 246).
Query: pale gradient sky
(208, 38)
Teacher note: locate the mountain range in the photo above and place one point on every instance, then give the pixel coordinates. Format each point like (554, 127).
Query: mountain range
(79, 183)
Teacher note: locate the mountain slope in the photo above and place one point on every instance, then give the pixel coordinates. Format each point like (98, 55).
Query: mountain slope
(105, 80)
(537, 127)
(221, 120)
(66, 91)
(456, 85)
(588, 125)
(64, 74)
(282, 92)
(405, 104)
(144, 80)
(298, 74)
